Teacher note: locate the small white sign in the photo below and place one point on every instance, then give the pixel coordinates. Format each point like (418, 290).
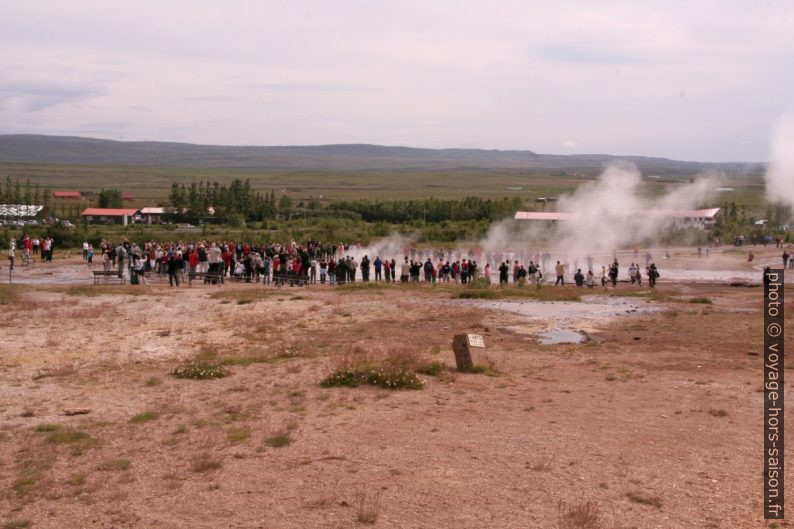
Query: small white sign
(476, 340)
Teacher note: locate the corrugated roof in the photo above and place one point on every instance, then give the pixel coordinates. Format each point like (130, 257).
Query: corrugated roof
(562, 215)
(545, 215)
(109, 212)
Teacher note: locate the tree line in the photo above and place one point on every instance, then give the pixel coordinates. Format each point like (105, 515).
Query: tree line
(431, 209)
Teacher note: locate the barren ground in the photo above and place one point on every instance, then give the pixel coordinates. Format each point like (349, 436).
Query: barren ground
(655, 420)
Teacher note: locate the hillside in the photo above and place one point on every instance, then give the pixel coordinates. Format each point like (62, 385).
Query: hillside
(39, 149)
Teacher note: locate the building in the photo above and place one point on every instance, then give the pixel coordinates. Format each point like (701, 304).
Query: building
(152, 215)
(67, 194)
(703, 219)
(122, 216)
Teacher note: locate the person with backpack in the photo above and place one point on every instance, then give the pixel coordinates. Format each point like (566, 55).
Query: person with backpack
(578, 278)
(428, 266)
(653, 275)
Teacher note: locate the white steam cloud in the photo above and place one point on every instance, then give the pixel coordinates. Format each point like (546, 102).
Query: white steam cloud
(612, 212)
(780, 174)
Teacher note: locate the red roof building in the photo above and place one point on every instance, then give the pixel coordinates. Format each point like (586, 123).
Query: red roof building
(110, 215)
(66, 194)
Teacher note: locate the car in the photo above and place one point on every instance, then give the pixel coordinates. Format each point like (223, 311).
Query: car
(67, 224)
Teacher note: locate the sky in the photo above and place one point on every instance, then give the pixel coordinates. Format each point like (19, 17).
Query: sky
(691, 80)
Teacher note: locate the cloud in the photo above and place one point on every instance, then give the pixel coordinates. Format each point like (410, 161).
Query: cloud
(34, 96)
(588, 55)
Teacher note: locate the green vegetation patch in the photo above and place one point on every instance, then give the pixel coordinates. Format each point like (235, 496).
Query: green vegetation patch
(200, 371)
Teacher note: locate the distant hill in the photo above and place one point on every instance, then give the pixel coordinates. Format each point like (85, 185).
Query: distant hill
(26, 148)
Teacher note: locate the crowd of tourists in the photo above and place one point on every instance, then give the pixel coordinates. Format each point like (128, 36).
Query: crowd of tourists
(29, 247)
(316, 262)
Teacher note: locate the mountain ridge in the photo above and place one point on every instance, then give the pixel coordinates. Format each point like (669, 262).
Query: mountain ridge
(35, 148)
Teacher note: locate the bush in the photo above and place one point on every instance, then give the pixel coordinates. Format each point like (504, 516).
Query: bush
(433, 369)
(200, 371)
(385, 377)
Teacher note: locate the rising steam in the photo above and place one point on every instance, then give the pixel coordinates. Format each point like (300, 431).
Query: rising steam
(780, 174)
(612, 212)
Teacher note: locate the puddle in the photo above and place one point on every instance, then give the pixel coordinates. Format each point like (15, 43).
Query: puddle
(558, 336)
(567, 313)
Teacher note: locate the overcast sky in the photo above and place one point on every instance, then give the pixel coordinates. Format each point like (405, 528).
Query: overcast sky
(695, 80)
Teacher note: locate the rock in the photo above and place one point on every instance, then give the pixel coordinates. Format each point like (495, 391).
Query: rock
(76, 411)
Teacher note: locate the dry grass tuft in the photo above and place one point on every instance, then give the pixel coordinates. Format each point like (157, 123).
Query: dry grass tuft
(645, 499)
(204, 462)
(582, 514)
(368, 507)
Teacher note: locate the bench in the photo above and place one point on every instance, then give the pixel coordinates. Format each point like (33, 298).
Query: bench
(105, 276)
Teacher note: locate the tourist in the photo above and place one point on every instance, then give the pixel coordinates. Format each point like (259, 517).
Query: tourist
(578, 278)
(12, 253)
(378, 265)
(175, 264)
(503, 271)
(653, 275)
(560, 270)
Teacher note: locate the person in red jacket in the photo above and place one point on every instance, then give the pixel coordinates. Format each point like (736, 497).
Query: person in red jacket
(193, 260)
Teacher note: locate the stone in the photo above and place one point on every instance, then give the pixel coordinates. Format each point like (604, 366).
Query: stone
(469, 350)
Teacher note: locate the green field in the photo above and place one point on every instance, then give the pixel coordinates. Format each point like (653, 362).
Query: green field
(150, 185)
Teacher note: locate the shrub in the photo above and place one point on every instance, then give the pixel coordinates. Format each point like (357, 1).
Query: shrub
(48, 427)
(432, 370)
(477, 294)
(279, 440)
(200, 371)
(67, 436)
(238, 435)
(383, 377)
(204, 462)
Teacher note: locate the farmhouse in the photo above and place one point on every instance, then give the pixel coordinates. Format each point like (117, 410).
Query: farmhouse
(152, 215)
(691, 218)
(66, 194)
(122, 216)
